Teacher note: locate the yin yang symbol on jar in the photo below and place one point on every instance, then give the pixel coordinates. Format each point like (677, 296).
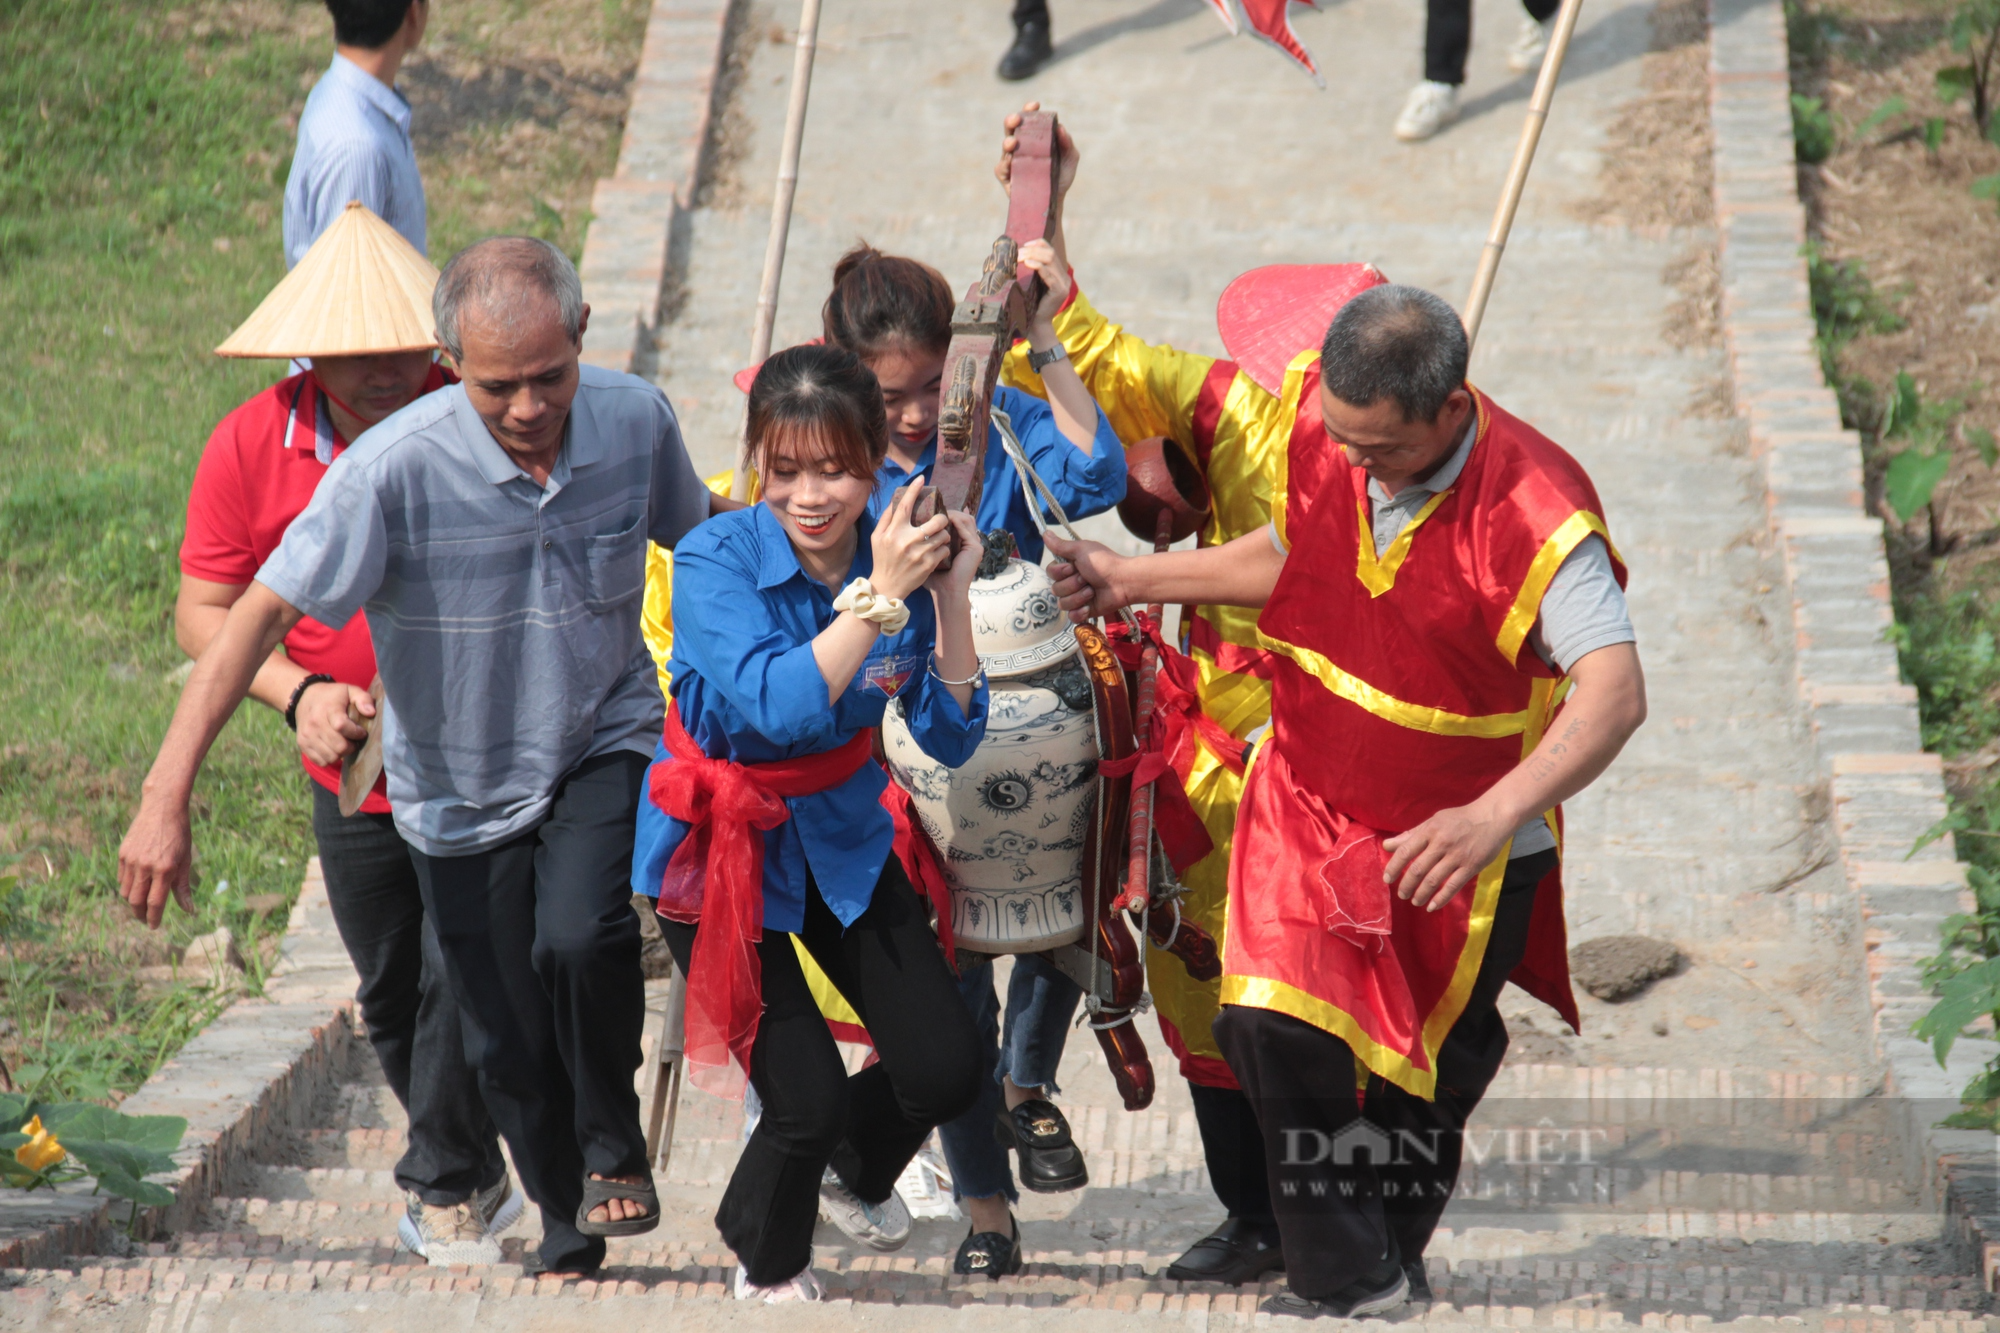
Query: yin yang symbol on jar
(1010, 825)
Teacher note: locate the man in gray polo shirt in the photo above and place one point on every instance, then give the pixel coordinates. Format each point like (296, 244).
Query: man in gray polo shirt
(495, 532)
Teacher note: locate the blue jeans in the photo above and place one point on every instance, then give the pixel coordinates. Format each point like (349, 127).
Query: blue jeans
(1040, 1003)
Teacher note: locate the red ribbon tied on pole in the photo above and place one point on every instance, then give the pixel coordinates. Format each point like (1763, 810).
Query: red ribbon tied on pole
(1169, 752)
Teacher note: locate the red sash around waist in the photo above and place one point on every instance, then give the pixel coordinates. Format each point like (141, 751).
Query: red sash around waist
(716, 877)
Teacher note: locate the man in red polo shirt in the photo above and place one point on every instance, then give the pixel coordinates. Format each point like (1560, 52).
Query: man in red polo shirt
(357, 304)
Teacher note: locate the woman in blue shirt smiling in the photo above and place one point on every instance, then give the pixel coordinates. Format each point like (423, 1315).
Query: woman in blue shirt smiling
(895, 314)
(797, 622)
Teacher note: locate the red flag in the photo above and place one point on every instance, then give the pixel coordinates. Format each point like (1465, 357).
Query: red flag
(1272, 21)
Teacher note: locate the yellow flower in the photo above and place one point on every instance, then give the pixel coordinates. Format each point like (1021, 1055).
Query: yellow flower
(41, 1151)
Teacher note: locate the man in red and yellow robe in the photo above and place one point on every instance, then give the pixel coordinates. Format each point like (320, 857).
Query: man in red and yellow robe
(1451, 659)
(1233, 421)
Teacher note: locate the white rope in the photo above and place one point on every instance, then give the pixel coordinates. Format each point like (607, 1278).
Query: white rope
(1011, 443)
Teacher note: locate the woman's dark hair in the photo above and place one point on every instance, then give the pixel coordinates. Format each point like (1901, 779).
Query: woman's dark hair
(881, 302)
(823, 398)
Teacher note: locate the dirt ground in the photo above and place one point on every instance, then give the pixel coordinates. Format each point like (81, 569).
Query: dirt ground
(1657, 173)
(1908, 216)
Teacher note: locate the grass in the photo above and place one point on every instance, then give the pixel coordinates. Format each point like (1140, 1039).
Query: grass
(143, 151)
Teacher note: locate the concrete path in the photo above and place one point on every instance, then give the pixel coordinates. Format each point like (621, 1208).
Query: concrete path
(1706, 1152)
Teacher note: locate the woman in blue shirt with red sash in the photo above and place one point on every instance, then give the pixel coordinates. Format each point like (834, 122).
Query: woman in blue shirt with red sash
(895, 314)
(797, 622)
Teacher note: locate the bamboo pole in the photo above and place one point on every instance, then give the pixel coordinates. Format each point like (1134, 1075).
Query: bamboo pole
(781, 212)
(1517, 174)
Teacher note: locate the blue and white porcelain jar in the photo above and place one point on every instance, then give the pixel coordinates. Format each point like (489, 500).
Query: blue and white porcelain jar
(1010, 826)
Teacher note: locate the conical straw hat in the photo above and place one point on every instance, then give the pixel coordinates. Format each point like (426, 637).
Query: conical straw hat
(362, 288)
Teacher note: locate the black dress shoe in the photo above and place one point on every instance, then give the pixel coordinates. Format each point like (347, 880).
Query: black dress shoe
(1420, 1282)
(1050, 1162)
(1236, 1252)
(1031, 50)
(989, 1254)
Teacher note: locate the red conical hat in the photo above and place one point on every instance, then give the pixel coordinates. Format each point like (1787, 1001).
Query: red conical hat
(1271, 314)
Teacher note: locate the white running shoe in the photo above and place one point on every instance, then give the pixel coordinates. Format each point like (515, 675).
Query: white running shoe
(443, 1237)
(423, 1229)
(1430, 107)
(503, 1204)
(1530, 45)
(802, 1286)
(879, 1226)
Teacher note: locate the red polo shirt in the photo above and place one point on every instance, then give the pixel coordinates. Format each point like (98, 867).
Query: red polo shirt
(257, 474)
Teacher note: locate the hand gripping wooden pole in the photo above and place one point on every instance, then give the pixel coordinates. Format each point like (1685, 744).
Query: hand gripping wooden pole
(781, 214)
(984, 324)
(1517, 174)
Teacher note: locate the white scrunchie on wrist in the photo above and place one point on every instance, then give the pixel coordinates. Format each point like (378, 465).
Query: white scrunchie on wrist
(861, 598)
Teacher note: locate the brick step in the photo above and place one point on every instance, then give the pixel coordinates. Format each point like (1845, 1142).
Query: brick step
(1817, 1277)
(1605, 1302)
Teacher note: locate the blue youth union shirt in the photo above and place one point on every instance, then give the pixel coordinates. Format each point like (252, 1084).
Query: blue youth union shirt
(1084, 486)
(749, 690)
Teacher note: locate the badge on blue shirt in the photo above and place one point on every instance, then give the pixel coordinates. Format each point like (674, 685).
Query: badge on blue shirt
(890, 672)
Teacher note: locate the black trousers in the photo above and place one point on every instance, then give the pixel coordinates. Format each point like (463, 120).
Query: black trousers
(1340, 1211)
(866, 1126)
(542, 951)
(1448, 36)
(1234, 1149)
(1024, 10)
(406, 1005)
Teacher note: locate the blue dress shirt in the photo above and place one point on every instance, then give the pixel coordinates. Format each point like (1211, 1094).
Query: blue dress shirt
(1084, 486)
(749, 690)
(354, 144)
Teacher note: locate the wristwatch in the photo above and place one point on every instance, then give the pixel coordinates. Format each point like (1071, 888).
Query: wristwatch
(1040, 361)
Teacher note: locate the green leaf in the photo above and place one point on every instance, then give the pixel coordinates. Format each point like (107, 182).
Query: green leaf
(1971, 1118)
(16, 1108)
(159, 1134)
(127, 1186)
(1970, 995)
(1912, 478)
(1954, 82)
(1933, 134)
(1904, 409)
(1982, 439)
(1813, 133)
(1895, 106)
(98, 1156)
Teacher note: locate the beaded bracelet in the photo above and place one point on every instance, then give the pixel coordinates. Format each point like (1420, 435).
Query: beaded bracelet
(299, 692)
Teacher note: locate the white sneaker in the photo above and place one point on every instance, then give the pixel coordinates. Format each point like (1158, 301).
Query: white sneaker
(442, 1237)
(1530, 44)
(1430, 107)
(502, 1203)
(879, 1226)
(803, 1286)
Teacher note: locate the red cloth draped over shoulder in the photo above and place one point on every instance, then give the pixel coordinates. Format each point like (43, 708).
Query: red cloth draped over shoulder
(1402, 686)
(716, 877)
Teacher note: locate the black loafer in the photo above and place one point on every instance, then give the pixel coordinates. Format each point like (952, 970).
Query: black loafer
(989, 1254)
(1031, 50)
(1236, 1252)
(1050, 1162)
(1420, 1282)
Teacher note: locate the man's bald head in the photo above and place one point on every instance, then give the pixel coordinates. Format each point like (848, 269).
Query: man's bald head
(1395, 342)
(513, 286)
